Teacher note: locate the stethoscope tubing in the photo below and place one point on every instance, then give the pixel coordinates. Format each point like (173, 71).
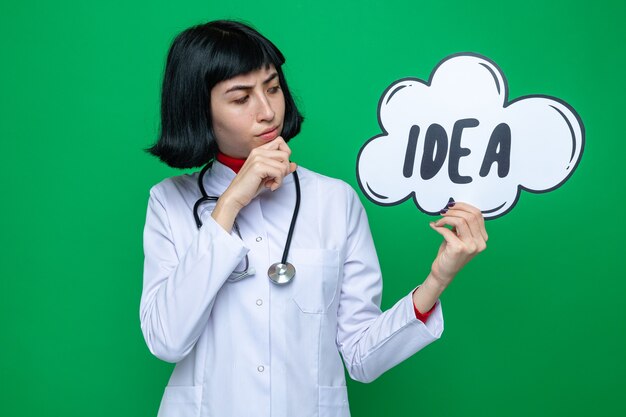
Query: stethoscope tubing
(294, 217)
(204, 198)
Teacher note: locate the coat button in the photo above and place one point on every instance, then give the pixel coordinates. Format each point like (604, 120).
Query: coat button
(259, 238)
(261, 368)
(259, 302)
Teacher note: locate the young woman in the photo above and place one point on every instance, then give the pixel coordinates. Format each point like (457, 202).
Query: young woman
(261, 276)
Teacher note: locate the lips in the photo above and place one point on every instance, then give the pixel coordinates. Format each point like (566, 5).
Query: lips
(270, 133)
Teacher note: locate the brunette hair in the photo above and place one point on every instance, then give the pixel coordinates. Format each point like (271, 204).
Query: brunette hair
(198, 59)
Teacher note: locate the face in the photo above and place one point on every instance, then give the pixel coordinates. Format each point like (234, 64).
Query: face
(247, 111)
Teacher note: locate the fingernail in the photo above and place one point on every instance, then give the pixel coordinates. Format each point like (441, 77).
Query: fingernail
(451, 202)
(444, 211)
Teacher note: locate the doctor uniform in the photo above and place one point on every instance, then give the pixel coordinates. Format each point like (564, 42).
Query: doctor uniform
(254, 348)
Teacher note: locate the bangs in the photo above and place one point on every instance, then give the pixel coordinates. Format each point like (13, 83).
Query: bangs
(238, 54)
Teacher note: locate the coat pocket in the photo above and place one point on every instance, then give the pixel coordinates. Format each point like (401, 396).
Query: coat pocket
(181, 401)
(316, 279)
(334, 402)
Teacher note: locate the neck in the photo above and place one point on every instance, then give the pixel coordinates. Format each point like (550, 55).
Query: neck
(233, 163)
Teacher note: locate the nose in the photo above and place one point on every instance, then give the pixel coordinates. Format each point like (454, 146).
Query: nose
(265, 111)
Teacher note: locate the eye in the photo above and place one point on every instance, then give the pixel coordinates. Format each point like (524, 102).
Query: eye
(274, 89)
(241, 100)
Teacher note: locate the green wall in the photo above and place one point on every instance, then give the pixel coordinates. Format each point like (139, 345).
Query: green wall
(536, 325)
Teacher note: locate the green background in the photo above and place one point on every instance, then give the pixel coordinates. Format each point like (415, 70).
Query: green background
(536, 325)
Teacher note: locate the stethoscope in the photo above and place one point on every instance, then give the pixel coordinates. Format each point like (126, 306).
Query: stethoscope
(280, 272)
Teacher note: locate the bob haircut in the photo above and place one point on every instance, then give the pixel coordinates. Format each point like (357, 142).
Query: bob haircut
(198, 59)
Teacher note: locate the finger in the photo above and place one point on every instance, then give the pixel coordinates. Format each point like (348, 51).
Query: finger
(282, 145)
(267, 183)
(462, 228)
(470, 219)
(274, 158)
(278, 143)
(278, 154)
(278, 182)
(473, 242)
(478, 216)
(274, 180)
(465, 206)
(448, 235)
(274, 169)
(264, 169)
(269, 153)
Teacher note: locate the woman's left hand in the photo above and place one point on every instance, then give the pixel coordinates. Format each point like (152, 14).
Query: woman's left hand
(466, 239)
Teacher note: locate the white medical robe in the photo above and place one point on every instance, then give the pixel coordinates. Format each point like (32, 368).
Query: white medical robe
(253, 348)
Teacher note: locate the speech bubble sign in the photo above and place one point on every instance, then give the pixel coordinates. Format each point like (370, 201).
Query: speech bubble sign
(457, 135)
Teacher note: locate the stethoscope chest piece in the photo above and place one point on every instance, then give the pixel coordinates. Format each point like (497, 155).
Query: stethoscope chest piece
(281, 273)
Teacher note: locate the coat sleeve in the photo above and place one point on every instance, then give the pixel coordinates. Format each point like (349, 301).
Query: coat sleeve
(371, 341)
(180, 284)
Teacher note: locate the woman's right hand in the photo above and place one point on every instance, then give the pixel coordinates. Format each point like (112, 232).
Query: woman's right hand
(265, 167)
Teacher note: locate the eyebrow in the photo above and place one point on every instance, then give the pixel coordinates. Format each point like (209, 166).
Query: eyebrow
(249, 87)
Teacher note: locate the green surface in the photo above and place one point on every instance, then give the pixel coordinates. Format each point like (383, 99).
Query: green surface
(536, 325)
